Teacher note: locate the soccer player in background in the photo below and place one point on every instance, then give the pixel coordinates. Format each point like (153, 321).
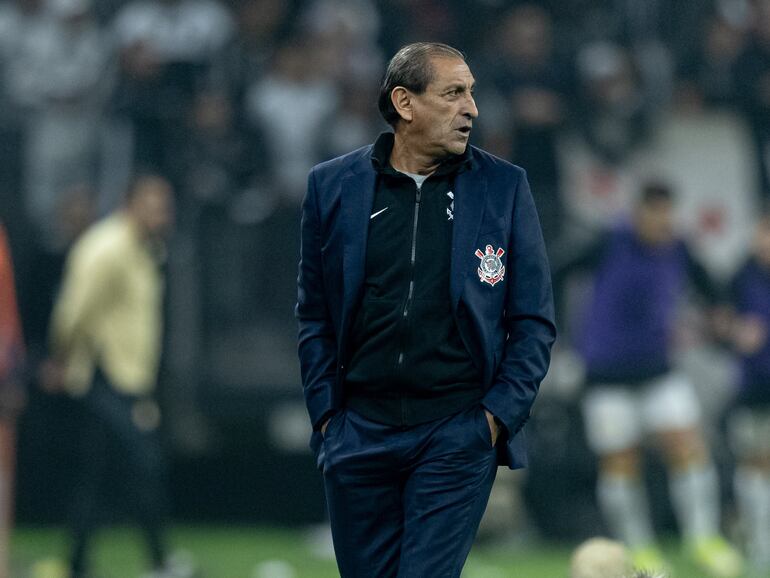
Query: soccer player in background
(11, 395)
(640, 273)
(105, 346)
(748, 424)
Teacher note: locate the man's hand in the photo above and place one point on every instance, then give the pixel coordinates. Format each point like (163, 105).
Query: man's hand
(749, 334)
(493, 427)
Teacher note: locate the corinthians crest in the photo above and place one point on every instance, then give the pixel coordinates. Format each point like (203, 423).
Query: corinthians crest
(491, 269)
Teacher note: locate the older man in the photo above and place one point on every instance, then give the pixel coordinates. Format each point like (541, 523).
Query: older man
(425, 324)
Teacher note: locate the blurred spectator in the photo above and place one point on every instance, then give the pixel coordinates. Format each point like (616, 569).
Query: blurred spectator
(292, 102)
(752, 73)
(106, 338)
(261, 25)
(600, 558)
(224, 155)
(406, 21)
(345, 34)
(737, 12)
(168, 49)
(749, 419)
(225, 162)
(57, 78)
(599, 156)
(613, 110)
(533, 86)
(708, 77)
(640, 271)
(20, 21)
(673, 24)
(11, 397)
(354, 128)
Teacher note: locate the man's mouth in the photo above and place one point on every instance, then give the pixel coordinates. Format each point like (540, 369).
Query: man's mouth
(464, 129)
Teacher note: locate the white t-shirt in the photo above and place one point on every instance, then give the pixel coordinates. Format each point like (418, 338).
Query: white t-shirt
(418, 179)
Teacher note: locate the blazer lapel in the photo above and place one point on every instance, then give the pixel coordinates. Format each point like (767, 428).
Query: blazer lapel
(470, 200)
(357, 198)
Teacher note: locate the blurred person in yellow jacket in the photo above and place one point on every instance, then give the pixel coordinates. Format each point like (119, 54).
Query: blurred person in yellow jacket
(11, 395)
(106, 334)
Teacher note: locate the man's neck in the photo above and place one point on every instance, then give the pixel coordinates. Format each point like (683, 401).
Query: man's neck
(135, 225)
(407, 158)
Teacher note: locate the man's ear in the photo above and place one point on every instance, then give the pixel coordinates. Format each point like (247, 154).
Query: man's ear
(402, 102)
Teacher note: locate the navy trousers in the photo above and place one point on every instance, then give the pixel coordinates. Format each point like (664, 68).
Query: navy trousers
(109, 437)
(406, 502)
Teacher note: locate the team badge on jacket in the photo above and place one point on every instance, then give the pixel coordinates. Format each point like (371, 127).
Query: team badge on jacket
(491, 269)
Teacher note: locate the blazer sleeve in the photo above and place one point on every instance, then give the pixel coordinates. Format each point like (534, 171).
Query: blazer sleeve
(317, 343)
(528, 318)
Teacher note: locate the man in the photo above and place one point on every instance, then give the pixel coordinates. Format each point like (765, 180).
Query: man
(105, 340)
(748, 423)
(11, 395)
(425, 324)
(640, 272)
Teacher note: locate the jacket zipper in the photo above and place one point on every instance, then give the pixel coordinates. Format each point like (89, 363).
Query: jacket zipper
(410, 295)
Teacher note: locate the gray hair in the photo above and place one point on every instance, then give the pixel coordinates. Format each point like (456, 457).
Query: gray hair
(411, 68)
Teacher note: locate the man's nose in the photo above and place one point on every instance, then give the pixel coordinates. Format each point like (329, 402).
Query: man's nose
(470, 109)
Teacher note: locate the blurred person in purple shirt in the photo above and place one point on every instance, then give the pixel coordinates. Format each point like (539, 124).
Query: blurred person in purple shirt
(749, 420)
(640, 271)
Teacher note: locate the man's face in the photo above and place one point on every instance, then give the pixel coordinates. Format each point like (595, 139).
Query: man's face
(442, 116)
(655, 221)
(153, 207)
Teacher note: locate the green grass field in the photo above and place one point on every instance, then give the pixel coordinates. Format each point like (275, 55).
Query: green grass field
(227, 552)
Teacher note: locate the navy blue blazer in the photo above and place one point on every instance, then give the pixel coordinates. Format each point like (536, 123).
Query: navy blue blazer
(505, 318)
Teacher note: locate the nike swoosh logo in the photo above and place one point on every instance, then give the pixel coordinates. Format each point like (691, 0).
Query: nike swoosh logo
(378, 212)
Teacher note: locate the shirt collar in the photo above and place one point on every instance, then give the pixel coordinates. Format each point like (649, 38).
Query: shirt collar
(383, 146)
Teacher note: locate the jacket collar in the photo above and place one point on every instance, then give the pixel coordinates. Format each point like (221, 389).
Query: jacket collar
(383, 146)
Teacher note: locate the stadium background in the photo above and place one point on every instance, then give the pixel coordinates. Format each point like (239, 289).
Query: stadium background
(235, 101)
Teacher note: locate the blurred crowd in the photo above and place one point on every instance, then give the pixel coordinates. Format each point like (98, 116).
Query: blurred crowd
(233, 101)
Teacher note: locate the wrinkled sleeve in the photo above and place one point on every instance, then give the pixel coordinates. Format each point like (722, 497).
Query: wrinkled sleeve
(317, 342)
